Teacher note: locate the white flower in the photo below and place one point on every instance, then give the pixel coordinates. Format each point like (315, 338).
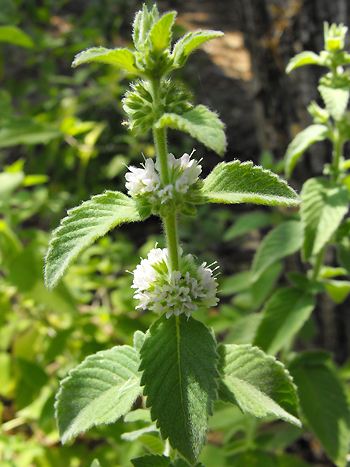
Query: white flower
(183, 173)
(180, 292)
(142, 181)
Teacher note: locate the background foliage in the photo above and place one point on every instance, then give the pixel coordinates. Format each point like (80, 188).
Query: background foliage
(61, 139)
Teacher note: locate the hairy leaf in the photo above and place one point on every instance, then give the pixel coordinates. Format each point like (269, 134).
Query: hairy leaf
(82, 226)
(282, 317)
(98, 391)
(13, 35)
(323, 403)
(189, 43)
(199, 122)
(336, 100)
(242, 182)
(258, 383)
(282, 241)
(322, 210)
(302, 59)
(121, 58)
(179, 363)
(161, 31)
(248, 222)
(301, 143)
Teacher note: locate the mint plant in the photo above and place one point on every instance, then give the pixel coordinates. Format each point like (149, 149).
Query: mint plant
(321, 234)
(177, 369)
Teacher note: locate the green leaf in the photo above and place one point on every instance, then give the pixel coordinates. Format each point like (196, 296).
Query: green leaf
(282, 317)
(323, 207)
(83, 225)
(9, 182)
(258, 458)
(95, 463)
(161, 31)
(242, 182)
(301, 143)
(23, 131)
(258, 383)
(323, 403)
(248, 222)
(13, 35)
(337, 290)
(151, 461)
(336, 100)
(189, 43)
(282, 241)
(179, 363)
(201, 123)
(98, 391)
(302, 59)
(121, 58)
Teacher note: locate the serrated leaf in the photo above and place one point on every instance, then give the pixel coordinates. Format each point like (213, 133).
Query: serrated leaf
(243, 182)
(98, 391)
(302, 141)
(336, 100)
(323, 207)
(199, 122)
(248, 222)
(302, 59)
(121, 58)
(161, 31)
(258, 383)
(282, 241)
(282, 317)
(323, 403)
(189, 43)
(13, 35)
(179, 363)
(82, 226)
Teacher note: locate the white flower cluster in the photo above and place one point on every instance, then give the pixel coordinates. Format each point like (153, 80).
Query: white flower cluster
(145, 181)
(181, 292)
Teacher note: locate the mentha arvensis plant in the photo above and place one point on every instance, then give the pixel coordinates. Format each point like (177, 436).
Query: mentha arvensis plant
(177, 367)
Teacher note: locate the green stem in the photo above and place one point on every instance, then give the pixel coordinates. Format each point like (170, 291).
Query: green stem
(169, 220)
(318, 264)
(337, 153)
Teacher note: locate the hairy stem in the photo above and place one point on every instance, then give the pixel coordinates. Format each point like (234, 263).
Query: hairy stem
(160, 142)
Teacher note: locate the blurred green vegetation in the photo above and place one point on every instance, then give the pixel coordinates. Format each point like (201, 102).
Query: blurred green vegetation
(61, 141)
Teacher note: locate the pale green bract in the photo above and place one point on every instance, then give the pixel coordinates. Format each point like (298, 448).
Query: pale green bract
(82, 226)
(179, 364)
(189, 43)
(121, 58)
(199, 122)
(322, 210)
(161, 32)
(302, 59)
(282, 318)
(323, 403)
(242, 182)
(98, 391)
(302, 141)
(258, 383)
(280, 242)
